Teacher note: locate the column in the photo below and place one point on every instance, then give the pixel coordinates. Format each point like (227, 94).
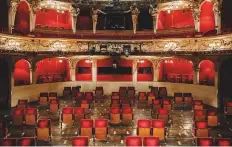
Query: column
(217, 15)
(134, 72)
(155, 70)
(196, 70)
(216, 77)
(153, 13)
(33, 10)
(196, 16)
(74, 14)
(94, 73)
(11, 15)
(72, 73)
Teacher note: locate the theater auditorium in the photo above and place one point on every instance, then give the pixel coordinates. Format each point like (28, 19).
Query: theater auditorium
(115, 73)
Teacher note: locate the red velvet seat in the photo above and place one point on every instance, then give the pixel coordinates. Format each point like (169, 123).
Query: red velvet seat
(27, 141)
(151, 141)
(155, 90)
(144, 127)
(163, 92)
(163, 114)
(178, 99)
(79, 113)
(8, 142)
(44, 129)
(80, 141)
(122, 91)
(67, 116)
(158, 129)
(156, 104)
(115, 103)
(101, 129)
(85, 104)
(17, 116)
(43, 98)
(142, 97)
(131, 92)
(201, 129)
(54, 105)
(167, 104)
(99, 92)
(127, 115)
(3, 129)
(79, 96)
(115, 115)
(150, 97)
(115, 96)
(52, 95)
(22, 104)
(198, 104)
(222, 141)
(86, 128)
(212, 118)
(89, 97)
(133, 141)
(199, 115)
(30, 115)
(125, 103)
(67, 91)
(228, 107)
(188, 99)
(204, 141)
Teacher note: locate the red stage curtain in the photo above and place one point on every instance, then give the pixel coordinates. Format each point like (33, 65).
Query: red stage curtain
(207, 20)
(86, 69)
(175, 19)
(207, 72)
(52, 18)
(22, 72)
(22, 19)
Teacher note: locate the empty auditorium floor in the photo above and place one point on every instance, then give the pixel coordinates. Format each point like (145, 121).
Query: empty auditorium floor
(179, 130)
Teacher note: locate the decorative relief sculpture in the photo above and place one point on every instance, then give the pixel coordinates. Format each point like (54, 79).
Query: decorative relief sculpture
(95, 12)
(134, 14)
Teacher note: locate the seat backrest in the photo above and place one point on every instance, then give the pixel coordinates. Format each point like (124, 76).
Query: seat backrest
(158, 123)
(162, 91)
(8, 142)
(79, 110)
(114, 110)
(17, 111)
(133, 141)
(101, 123)
(44, 94)
(204, 141)
(201, 124)
(222, 141)
(187, 94)
(144, 123)
(27, 141)
(197, 102)
(80, 95)
(44, 123)
(211, 113)
(127, 110)
(156, 102)
(162, 111)
(151, 141)
(30, 111)
(67, 110)
(200, 112)
(67, 88)
(54, 101)
(142, 94)
(130, 88)
(23, 102)
(52, 94)
(80, 141)
(86, 123)
(178, 94)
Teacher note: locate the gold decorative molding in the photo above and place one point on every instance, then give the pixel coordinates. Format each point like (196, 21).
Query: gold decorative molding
(215, 44)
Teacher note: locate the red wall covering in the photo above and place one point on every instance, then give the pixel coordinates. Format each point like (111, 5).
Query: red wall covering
(83, 77)
(53, 66)
(108, 63)
(145, 77)
(175, 19)
(178, 66)
(22, 19)
(22, 71)
(207, 72)
(52, 18)
(207, 20)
